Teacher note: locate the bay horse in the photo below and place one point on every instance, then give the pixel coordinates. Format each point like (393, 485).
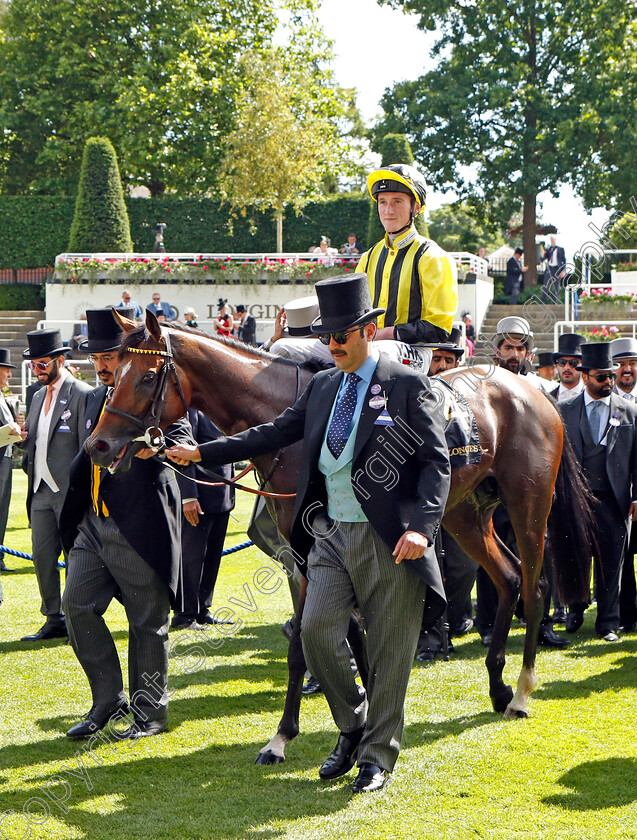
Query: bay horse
(527, 464)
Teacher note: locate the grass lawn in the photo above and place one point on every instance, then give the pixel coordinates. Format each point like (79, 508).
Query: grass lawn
(569, 771)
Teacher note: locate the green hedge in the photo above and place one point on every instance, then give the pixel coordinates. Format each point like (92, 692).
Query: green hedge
(35, 229)
(19, 296)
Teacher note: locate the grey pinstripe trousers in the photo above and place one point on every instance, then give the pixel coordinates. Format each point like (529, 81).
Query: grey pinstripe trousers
(101, 565)
(354, 566)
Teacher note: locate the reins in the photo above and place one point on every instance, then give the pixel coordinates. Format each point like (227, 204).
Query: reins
(153, 435)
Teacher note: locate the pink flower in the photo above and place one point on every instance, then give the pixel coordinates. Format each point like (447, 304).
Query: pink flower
(168, 270)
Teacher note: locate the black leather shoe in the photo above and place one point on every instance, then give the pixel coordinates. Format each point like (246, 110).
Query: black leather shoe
(559, 615)
(4, 567)
(48, 631)
(342, 758)
(206, 618)
(574, 621)
(463, 627)
(185, 624)
(370, 777)
(311, 686)
(144, 729)
(547, 637)
(97, 719)
(426, 656)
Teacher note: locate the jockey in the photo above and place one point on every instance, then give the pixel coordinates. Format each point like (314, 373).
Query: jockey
(409, 275)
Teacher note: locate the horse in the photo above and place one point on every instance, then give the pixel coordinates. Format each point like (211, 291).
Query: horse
(526, 463)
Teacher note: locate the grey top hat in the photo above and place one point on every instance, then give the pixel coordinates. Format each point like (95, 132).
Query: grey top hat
(623, 348)
(104, 333)
(44, 343)
(5, 358)
(569, 344)
(514, 327)
(344, 302)
(300, 314)
(596, 356)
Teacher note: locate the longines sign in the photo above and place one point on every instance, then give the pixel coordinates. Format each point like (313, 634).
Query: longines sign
(66, 302)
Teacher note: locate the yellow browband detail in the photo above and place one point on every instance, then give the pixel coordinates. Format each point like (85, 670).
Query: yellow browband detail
(147, 352)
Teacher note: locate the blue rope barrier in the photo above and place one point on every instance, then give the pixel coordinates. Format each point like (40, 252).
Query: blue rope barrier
(15, 553)
(234, 548)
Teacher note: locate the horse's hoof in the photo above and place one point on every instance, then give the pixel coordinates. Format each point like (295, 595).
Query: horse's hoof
(501, 701)
(268, 757)
(516, 713)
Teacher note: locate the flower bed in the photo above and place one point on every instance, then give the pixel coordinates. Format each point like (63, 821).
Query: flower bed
(602, 333)
(604, 303)
(199, 270)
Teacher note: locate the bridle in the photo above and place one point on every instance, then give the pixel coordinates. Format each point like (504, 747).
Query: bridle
(153, 436)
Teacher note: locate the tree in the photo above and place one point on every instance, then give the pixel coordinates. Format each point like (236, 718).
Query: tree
(160, 79)
(100, 222)
(456, 228)
(516, 93)
(287, 139)
(393, 148)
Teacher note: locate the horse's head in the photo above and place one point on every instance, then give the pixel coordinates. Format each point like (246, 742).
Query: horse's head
(148, 394)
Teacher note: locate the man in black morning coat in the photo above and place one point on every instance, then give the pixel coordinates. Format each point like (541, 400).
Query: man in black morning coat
(603, 430)
(123, 533)
(372, 488)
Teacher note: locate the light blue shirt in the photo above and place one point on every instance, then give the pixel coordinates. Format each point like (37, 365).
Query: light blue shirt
(342, 504)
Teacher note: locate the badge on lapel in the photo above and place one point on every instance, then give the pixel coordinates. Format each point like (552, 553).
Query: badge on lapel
(384, 419)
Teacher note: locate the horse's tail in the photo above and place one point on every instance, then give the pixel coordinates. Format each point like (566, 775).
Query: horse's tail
(572, 530)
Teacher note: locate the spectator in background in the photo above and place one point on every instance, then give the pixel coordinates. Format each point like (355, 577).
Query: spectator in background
(351, 247)
(127, 303)
(7, 417)
(79, 332)
(546, 368)
(158, 305)
(224, 323)
(482, 252)
(470, 333)
(555, 257)
(328, 253)
(515, 273)
(246, 326)
(190, 317)
(158, 247)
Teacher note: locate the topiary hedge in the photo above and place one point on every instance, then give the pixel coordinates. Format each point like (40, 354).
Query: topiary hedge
(35, 229)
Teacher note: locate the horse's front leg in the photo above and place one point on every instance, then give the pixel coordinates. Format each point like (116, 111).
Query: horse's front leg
(274, 750)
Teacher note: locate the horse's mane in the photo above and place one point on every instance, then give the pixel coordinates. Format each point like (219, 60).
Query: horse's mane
(140, 334)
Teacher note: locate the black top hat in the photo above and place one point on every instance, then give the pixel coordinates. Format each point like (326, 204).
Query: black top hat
(344, 302)
(568, 344)
(44, 343)
(452, 345)
(241, 308)
(104, 333)
(546, 360)
(5, 358)
(596, 356)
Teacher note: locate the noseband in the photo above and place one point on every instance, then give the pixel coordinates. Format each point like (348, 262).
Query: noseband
(152, 435)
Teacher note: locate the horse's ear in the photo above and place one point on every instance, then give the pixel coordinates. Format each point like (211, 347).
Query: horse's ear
(152, 325)
(126, 325)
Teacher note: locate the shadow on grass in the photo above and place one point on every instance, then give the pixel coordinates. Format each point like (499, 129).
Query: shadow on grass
(216, 792)
(621, 674)
(21, 647)
(596, 785)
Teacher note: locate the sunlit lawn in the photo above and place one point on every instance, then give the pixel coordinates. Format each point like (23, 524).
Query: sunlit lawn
(569, 771)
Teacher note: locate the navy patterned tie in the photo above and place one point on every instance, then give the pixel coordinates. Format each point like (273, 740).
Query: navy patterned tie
(337, 433)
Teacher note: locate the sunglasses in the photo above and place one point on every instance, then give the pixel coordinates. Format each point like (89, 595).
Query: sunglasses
(564, 362)
(41, 366)
(102, 357)
(339, 337)
(602, 377)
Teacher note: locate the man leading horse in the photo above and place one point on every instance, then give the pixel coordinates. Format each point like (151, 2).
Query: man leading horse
(373, 485)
